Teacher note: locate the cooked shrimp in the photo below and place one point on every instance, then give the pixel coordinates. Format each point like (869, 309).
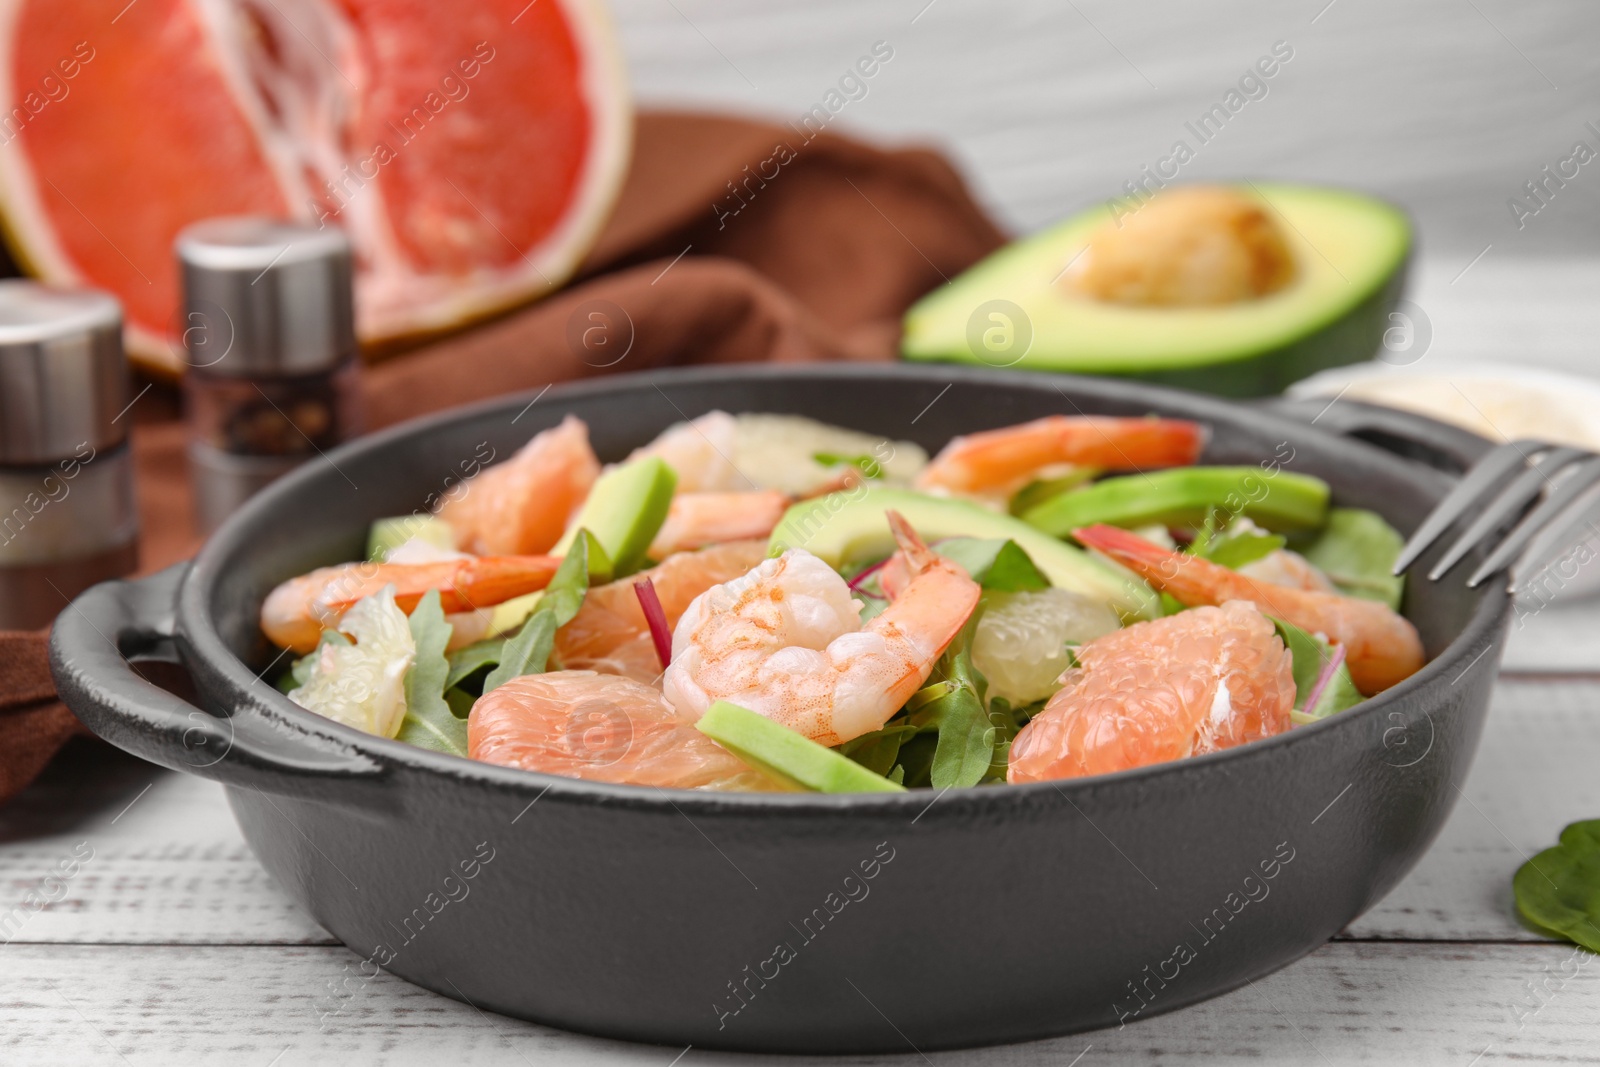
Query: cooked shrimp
(786, 641)
(521, 506)
(1190, 683)
(296, 612)
(700, 452)
(1381, 647)
(609, 633)
(1004, 460)
(603, 728)
(700, 519)
(1287, 568)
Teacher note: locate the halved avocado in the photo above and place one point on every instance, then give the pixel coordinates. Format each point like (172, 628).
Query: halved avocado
(1349, 252)
(848, 528)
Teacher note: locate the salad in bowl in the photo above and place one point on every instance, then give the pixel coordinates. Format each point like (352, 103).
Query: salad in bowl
(759, 602)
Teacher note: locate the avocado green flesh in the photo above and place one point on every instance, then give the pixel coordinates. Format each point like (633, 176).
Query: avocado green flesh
(1182, 496)
(624, 512)
(848, 529)
(786, 755)
(386, 535)
(1349, 250)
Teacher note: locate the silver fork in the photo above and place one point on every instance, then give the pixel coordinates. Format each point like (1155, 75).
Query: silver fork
(1497, 489)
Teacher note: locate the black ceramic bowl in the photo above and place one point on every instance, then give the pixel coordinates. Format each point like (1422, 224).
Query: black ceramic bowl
(786, 922)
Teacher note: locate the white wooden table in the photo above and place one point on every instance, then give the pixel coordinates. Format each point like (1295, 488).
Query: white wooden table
(171, 945)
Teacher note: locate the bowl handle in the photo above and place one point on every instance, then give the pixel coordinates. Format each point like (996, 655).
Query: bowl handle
(116, 623)
(1437, 444)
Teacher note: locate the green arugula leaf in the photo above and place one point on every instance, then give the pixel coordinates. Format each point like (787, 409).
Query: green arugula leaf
(878, 750)
(1356, 550)
(465, 662)
(528, 651)
(1239, 549)
(863, 463)
(995, 563)
(1311, 654)
(460, 702)
(1037, 492)
(1006, 722)
(429, 722)
(965, 746)
(1558, 891)
(1237, 543)
(916, 761)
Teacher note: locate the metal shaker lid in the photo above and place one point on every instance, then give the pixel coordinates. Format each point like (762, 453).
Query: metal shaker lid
(63, 377)
(262, 296)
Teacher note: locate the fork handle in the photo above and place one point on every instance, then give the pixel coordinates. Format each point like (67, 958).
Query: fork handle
(1440, 445)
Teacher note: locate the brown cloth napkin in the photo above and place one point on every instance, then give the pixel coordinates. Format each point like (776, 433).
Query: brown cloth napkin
(732, 241)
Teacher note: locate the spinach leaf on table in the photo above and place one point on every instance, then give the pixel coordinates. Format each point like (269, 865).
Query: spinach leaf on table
(1558, 891)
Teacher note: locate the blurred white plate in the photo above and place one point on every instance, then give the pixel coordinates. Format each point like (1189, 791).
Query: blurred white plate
(1502, 402)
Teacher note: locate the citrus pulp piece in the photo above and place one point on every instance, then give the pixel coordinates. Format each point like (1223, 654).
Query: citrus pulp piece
(1195, 682)
(602, 728)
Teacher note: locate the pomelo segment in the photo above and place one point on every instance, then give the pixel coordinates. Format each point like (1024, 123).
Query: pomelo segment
(472, 153)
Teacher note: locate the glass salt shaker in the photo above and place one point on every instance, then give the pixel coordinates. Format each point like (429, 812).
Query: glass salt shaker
(67, 513)
(272, 375)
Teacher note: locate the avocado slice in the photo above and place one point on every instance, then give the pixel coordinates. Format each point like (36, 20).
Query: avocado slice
(787, 755)
(848, 529)
(1181, 496)
(1350, 252)
(624, 512)
(386, 535)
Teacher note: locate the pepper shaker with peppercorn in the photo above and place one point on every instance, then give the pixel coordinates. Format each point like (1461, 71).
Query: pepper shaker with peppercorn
(67, 513)
(269, 339)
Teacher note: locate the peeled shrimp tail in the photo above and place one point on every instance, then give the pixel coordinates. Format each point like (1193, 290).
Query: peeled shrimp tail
(296, 613)
(998, 460)
(1381, 647)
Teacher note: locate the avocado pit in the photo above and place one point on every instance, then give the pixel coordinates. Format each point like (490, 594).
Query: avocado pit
(1191, 246)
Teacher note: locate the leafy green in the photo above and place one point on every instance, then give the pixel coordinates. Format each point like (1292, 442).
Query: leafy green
(1006, 721)
(1235, 543)
(528, 650)
(878, 750)
(863, 463)
(465, 662)
(1558, 890)
(1356, 550)
(1311, 654)
(429, 721)
(460, 702)
(915, 764)
(1037, 492)
(996, 563)
(956, 710)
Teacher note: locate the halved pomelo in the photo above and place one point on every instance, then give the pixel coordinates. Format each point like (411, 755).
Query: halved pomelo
(471, 151)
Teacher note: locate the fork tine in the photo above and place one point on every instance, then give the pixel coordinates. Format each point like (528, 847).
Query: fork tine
(1523, 488)
(1580, 478)
(1484, 476)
